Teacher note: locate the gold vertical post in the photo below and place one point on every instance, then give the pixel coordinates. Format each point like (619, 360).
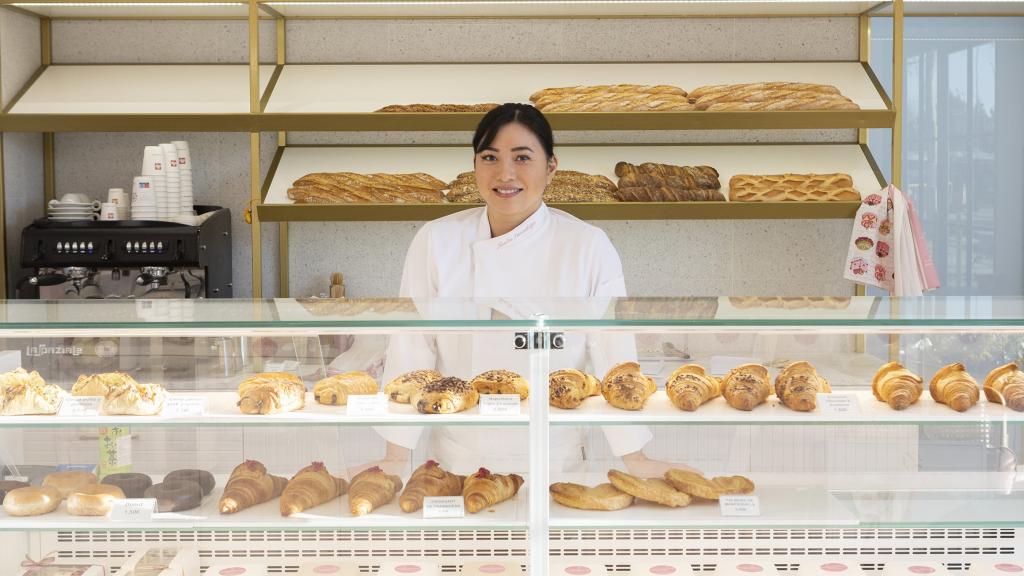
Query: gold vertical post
(897, 137)
(865, 57)
(282, 140)
(49, 169)
(254, 148)
(3, 223)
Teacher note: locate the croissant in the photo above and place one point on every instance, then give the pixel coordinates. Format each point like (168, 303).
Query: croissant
(335, 390)
(745, 387)
(429, 480)
(400, 389)
(1005, 385)
(569, 388)
(600, 497)
(651, 490)
(626, 387)
(371, 489)
(484, 489)
(249, 485)
(896, 386)
(953, 386)
(798, 385)
(501, 382)
(310, 487)
(690, 385)
(271, 392)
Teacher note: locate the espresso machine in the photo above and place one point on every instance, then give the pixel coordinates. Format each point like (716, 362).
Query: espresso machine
(128, 258)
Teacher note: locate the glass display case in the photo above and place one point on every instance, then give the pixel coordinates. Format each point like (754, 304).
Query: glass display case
(710, 432)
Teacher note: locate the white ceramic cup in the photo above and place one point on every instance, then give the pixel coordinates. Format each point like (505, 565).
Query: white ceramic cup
(117, 196)
(108, 211)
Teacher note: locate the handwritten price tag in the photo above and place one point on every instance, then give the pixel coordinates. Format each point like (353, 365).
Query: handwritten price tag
(80, 406)
(367, 405)
(839, 404)
(739, 505)
(444, 506)
(133, 510)
(181, 406)
(499, 404)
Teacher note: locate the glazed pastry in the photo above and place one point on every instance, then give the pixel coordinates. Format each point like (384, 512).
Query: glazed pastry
(271, 392)
(484, 489)
(133, 484)
(24, 392)
(626, 387)
(8, 485)
(401, 388)
(175, 495)
(69, 481)
(501, 382)
(335, 390)
(429, 480)
(896, 386)
(1005, 385)
(204, 478)
(445, 396)
(798, 385)
(93, 500)
(690, 386)
(600, 497)
(733, 484)
(310, 487)
(653, 490)
(569, 388)
(100, 384)
(953, 386)
(371, 489)
(692, 483)
(249, 485)
(32, 501)
(134, 399)
(746, 387)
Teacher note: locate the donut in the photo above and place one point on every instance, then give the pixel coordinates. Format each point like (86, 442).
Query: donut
(201, 477)
(67, 482)
(8, 485)
(32, 500)
(93, 499)
(132, 484)
(176, 496)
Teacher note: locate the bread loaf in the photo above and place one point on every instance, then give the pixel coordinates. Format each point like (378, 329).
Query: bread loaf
(437, 108)
(804, 103)
(565, 186)
(702, 91)
(598, 89)
(32, 501)
(612, 98)
(835, 187)
(757, 95)
(685, 177)
(351, 187)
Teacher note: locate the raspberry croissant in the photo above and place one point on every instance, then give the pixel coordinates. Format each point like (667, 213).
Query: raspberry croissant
(798, 385)
(953, 386)
(484, 489)
(371, 489)
(896, 386)
(310, 487)
(429, 480)
(745, 387)
(690, 386)
(249, 485)
(1005, 385)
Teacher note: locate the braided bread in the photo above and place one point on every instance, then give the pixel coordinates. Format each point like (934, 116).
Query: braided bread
(792, 188)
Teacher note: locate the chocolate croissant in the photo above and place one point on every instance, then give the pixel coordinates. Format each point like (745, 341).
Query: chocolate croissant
(501, 382)
(798, 385)
(954, 387)
(896, 386)
(445, 396)
(690, 386)
(1005, 385)
(745, 387)
(626, 387)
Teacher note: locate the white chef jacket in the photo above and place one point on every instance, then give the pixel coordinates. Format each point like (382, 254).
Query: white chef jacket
(550, 255)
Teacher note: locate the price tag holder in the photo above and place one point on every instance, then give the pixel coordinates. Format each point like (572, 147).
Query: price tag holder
(133, 510)
(80, 406)
(839, 404)
(500, 404)
(182, 406)
(739, 505)
(367, 405)
(444, 506)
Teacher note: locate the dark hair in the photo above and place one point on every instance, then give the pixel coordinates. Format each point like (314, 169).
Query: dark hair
(524, 114)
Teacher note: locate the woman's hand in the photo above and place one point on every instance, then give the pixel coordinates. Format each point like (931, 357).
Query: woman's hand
(639, 465)
(395, 461)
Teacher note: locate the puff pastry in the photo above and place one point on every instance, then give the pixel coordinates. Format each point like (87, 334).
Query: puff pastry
(135, 399)
(270, 393)
(896, 386)
(485, 489)
(690, 386)
(600, 497)
(429, 480)
(568, 388)
(954, 387)
(23, 392)
(835, 187)
(798, 386)
(1005, 385)
(745, 387)
(248, 485)
(401, 388)
(335, 390)
(371, 489)
(652, 490)
(310, 487)
(626, 387)
(445, 396)
(100, 384)
(692, 483)
(501, 382)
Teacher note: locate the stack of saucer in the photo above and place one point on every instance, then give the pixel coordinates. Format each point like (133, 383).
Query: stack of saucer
(72, 206)
(185, 173)
(144, 198)
(153, 165)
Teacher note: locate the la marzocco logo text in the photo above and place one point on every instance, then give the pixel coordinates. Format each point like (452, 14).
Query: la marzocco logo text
(44, 350)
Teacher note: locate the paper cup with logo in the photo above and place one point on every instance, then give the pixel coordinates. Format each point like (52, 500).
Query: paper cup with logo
(153, 161)
(108, 211)
(143, 191)
(184, 155)
(171, 157)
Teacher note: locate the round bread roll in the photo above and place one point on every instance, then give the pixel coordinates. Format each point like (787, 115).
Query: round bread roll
(68, 482)
(32, 501)
(93, 499)
(8, 485)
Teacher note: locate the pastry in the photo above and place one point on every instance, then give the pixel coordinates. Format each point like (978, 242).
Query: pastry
(600, 497)
(204, 478)
(896, 386)
(690, 386)
(335, 390)
(733, 484)
(445, 396)
(1005, 385)
(798, 386)
(652, 490)
(67, 482)
(249, 485)
(371, 489)
(32, 501)
(437, 108)
(271, 392)
(660, 193)
(835, 187)
(612, 98)
(23, 392)
(953, 386)
(429, 480)
(93, 499)
(401, 388)
(569, 388)
(134, 399)
(599, 89)
(175, 495)
(797, 103)
(351, 187)
(692, 483)
(681, 177)
(311, 486)
(100, 384)
(501, 382)
(745, 387)
(133, 484)
(484, 489)
(565, 186)
(8, 485)
(626, 387)
(748, 94)
(702, 91)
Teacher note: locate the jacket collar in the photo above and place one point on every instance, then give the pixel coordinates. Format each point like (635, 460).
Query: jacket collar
(527, 229)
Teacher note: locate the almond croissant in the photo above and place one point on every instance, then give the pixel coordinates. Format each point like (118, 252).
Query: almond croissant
(798, 385)
(690, 386)
(1005, 385)
(429, 480)
(626, 387)
(746, 387)
(896, 386)
(569, 388)
(371, 489)
(310, 487)
(249, 485)
(953, 386)
(484, 489)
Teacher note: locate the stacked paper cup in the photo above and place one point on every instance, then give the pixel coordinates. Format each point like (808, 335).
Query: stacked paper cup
(143, 198)
(185, 173)
(153, 165)
(171, 204)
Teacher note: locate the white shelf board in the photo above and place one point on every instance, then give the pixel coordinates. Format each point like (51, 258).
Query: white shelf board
(223, 411)
(363, 88)
(141, 89)
(141, 9)
(447, 162)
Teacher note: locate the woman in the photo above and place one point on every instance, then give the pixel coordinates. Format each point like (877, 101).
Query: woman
(514, 251)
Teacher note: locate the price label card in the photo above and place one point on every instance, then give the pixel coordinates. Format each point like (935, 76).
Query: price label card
(80, 406)
(444, 506)
(739, 505)
(499, 404)
(834, 404)
(367, 405)
(181, 406)
(133, 510)
(16, 478)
